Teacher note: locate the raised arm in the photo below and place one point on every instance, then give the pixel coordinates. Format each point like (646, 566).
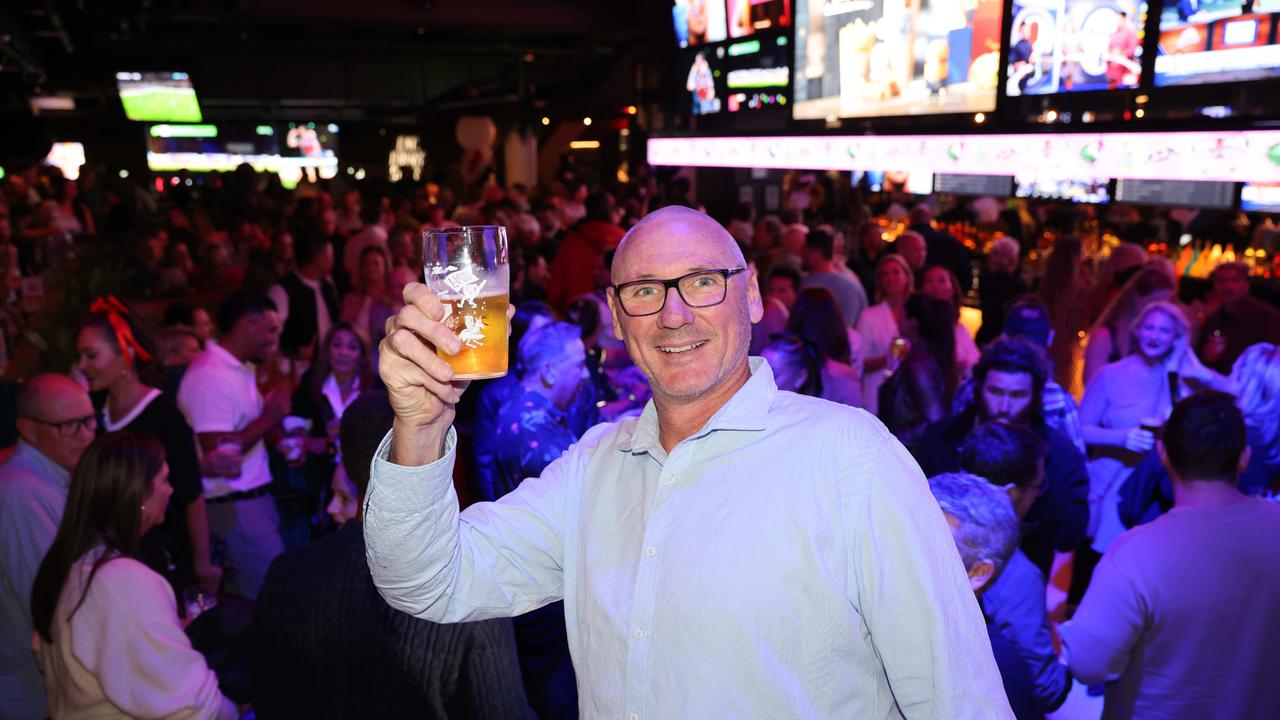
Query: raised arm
(427, 559)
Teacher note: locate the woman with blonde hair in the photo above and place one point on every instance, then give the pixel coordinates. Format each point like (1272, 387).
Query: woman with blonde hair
(1109, 337)
(1127, 402)
(1255, 379)
(879, 324)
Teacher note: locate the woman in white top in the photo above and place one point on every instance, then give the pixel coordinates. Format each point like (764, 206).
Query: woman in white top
(1129, 398)
(941, 284)
(879, 324)
(108, 638)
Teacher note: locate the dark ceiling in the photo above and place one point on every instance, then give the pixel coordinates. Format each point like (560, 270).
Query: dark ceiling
(349, 59)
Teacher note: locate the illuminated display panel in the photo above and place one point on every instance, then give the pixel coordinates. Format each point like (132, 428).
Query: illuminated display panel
(1215, 41)
(866, 58)
(1058, 46)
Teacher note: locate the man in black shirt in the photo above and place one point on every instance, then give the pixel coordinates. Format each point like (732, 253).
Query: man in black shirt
(326, 645)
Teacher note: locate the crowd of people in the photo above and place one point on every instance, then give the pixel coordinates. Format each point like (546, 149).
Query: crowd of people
(182, 514)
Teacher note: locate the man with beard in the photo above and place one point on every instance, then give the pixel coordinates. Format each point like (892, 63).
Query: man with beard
(1009, 384)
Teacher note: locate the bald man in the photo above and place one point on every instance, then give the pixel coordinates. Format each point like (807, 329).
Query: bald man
(736, 551)
(56, 423)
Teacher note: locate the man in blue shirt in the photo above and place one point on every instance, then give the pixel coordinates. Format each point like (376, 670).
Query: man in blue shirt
(736, 551)
(56, 423)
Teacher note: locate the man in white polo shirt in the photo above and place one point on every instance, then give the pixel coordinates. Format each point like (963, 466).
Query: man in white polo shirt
(219, 395)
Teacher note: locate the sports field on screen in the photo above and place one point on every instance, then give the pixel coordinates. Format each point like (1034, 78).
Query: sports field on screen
(161, 104)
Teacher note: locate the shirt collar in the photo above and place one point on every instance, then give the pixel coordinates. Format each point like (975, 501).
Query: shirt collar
(313, 284)
(333, 393)
(223, 355)
(747, 410)
(43, 466)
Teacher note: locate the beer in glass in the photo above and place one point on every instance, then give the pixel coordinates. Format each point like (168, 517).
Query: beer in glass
(466, 267)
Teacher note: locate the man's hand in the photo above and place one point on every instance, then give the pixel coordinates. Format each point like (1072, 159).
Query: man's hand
(1139, 441)
(420, 384)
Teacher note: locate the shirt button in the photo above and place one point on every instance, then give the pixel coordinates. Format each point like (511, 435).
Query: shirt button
(635, 716)
(652, 551)
(671, 479)
(639, 634)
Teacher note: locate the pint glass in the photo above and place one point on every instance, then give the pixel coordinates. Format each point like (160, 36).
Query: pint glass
(466, 267)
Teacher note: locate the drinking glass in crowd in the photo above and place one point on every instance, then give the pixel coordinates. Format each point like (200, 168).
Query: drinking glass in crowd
(880, 324)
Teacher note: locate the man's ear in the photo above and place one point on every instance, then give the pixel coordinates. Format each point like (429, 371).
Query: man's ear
(614, 311)
(1244, 459)
(26, 429)
(755, 305)
(981, 574)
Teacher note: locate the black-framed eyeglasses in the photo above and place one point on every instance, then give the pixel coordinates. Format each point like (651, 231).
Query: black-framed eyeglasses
(68, 428)
(699, 289)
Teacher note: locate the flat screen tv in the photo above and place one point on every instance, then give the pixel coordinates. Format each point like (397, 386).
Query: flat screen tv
(158, 97)
(698, 22)
(1060, 46)
(1081, 190)
(1217, 41)
(866, 58)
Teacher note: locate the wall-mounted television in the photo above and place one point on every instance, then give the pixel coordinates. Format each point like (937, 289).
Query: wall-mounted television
(158, 97)
(290, 149)
(1074, 45)
(1082, 190)
(997, 185)
(748, 17)
(864, 58)
(913, 183)
(698, 22)
(1211, 194)
(1217, 41)
(751, 74)
(1260, 197)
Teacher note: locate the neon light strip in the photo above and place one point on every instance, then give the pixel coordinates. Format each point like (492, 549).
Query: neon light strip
(1241, 156)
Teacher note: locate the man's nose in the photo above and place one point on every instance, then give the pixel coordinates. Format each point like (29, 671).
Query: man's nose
(675, 313)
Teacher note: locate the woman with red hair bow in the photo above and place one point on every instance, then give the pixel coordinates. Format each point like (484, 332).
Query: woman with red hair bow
(118, 358)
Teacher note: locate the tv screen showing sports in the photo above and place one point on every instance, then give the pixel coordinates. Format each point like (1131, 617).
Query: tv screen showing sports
(865, 58)
(1074, 45)
(158, 97)
(1260, 197)
(310, 142)
(751, 74)
(1081, 190)
(748, 17)
(698, 22)
(1215, 41)
(290, 150)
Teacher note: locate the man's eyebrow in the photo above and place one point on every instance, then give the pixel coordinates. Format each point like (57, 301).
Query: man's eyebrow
(651, 276)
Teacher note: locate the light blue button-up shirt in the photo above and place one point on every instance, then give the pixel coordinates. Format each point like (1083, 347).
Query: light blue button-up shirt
(33, 494)
(787, 560)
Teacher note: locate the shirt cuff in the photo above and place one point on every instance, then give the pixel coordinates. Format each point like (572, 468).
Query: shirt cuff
(409, 488)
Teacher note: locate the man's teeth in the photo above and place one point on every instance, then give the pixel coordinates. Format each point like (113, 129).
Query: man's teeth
(682, 348)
